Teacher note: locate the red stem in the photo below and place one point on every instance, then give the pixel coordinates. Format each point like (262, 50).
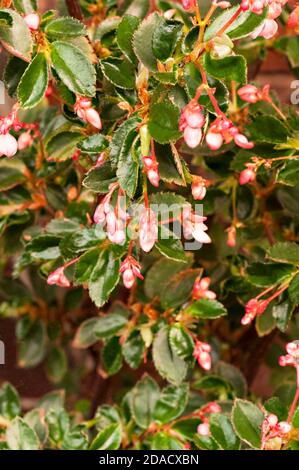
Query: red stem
(296, 397)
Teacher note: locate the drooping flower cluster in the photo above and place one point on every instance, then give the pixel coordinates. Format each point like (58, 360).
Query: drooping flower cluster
(252, 94)
(249, 174)
(8, 143)
(191, 123)
(222, 130)
(58, 278)
(201, 289)
(253, 308)
(83, 108)
(113, 218)
(148, 229)
(272, 428)
(202, 354)
(193, 226)
(268, 28)
(292, 358)
(203, 428)
(151, 167)
(130, 269)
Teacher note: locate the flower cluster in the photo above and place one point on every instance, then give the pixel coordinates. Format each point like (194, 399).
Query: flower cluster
(191, 123)
(130, 269)
(222, 130)
(203, 428)
(201, 289)
(83, 108)
(272, 428)
(202, 354)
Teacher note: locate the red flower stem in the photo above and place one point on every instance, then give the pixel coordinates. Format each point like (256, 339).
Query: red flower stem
(130, 248)
(209, 90)
(230, 21)
(296, 397)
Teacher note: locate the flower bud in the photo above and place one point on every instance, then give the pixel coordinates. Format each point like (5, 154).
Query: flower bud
(221, 46)
(93, 117)
(32, 20)
(203, 429)
(25, 140)
(247, 176)
(8, 145)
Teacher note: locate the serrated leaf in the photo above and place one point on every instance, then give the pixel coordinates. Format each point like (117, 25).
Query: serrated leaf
(104, 278)
(247, 419)
(167, 362)
(267, 274)
(107, 439)
(16, 38)
(165, 38)
(142, 41)
(289, 173)
(73, 68)
(10, 177)
(25, 6)
(20, 436)
(65, 27)
(180, 341)
(123, 138)
(133, 349)
(62, 145)
(171, 404)
(170, 246)
(164, 122)
(268, 129)
(159, 273)
(14, 70)
(118, 71)
(143, 401)
(95, 143)
(127, 170)
(111, 356)
(34, 82)
(223, 433)
(99, 179)
(178, 288)
(233, 376)
(227, 69)
(284, 252)
(206, 309)
(124, 35)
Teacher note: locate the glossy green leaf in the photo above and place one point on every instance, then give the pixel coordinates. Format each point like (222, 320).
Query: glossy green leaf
(223, 432)
(142, 41)
(118, 71)
(164, 122)
(165, 38)
(20, 436)
(16, 37)
(104, 278)
(124, 35)
(206, 309)
(107, 439)
(144, 398)
(268, 129)
(65, 27)
(247, 419)
(227, 69)
(34, 82)
(171, 404)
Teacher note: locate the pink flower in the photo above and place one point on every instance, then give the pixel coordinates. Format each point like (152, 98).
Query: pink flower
(222, 130)
(193, 226)
(25, 140)
(248, 175)
(148, 230)
(201, 289)
(191, 122)
(151, 168)
(187, 4)
(32, 20)
(59, 278)
(293, 20)
(231, 236)
(292, 358)
(267, 29)
(130, 269)
(83, 108)
(202, 354)
(250, 93)
(198, 188)
(8, 145)
(253, 308)
(271, 429)
(203, 429)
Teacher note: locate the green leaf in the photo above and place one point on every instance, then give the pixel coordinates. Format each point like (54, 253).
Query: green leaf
(263, 275)
(282, 314)
(106, 415)
(107, 439)
(36, 420)
(206, 309)
(265, 323)
(85, 335)
(16, 38)
(205, 442)
(289, 173)
(167, 362)
(62, 145)
(65, 27)
(127, 170)
(293, 290)
(275, 406)
(170, 246)
(99, 179)
(73, 68)
(123, 138)
(133, 349)
(247, 419)
(34, 82)
(142, 41)
(284, 252)
(93, 329)
(20, 436)
(178, 288)
(268, 129)
(85, 265)
(104, 278)
(164, 441)
(124, 35)
(111, 356)
(138, 8)
(9, 401)
(95, 143)
(245, 24)
(118, 71)
(164, 122)
(233, 376)
(143, 401)
(14, 70)
(165, 38)
(75, 439)
(171, 404)
(10, 177)
(159, 273)
(227, 69)
(295, 420)
(56, 365)
(223, 433)
(25, 6)
(180, 341)
(212, 383)
(32, 339)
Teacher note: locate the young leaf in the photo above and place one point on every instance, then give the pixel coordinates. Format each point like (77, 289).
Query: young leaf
(167, 362)
(34, 82)
(247, 419)
(65, 27)
(206, 309)
(104, 278)
(73, 68)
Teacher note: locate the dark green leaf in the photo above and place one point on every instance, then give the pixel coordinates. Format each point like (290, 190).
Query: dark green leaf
(65, 27)
(167, 362)
(247, 419)
(144, 398)
(124, 35)
(34, 82)
(164, 122)
(227, 69)
(165, 38)
(104, 278)
(206, 309)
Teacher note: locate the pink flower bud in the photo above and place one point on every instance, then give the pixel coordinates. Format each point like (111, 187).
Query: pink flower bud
(242, 141)
(247, 176)
(223, 4)
(8, 145)
(128, 278)
(202, 355)
(283, 427)
(198, 188)
(148, 230)
(195, 118)
(153, 177)
(32, 20)
(93, 117)
(231, 237)
(25, 140)
(203, 429)
(192, 136)
(58, 277)
(250, 93)
(214, 140)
